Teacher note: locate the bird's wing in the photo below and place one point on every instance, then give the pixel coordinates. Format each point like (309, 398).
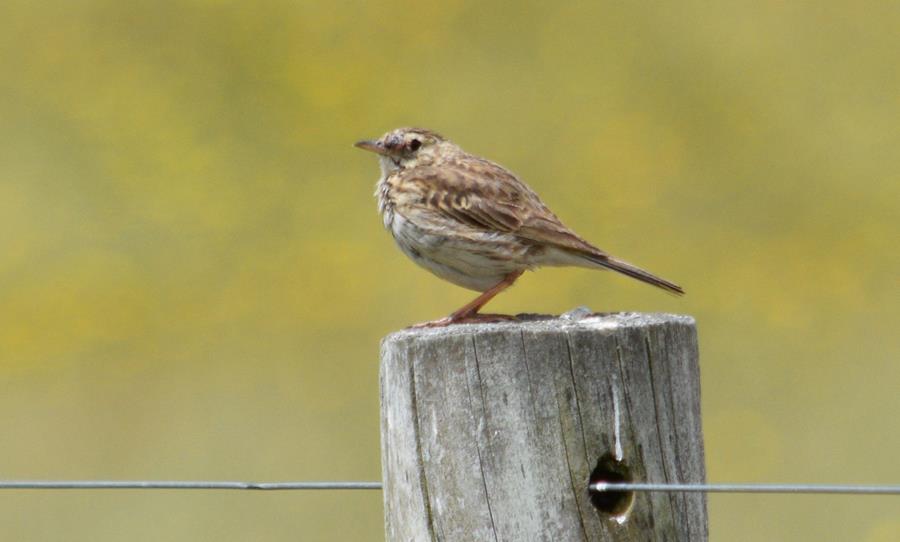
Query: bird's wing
(485, 196)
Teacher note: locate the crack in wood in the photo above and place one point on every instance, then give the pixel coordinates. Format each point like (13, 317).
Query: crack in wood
(659, 438)
(577, 496)
(423, 479)
(487, 437)
(577, 401)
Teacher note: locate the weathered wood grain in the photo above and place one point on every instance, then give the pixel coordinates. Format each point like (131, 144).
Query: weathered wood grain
(490, 432)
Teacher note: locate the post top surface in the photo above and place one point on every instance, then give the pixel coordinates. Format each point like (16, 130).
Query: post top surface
(579, 318)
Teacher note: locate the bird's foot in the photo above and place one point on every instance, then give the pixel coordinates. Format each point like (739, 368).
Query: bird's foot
(440, 322)
(475, 318)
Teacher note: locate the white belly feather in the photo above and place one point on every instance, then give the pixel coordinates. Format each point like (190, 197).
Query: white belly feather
(452, 259)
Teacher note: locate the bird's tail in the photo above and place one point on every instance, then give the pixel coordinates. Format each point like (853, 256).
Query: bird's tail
(607, 261)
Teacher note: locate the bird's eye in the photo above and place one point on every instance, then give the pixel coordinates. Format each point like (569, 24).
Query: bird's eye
(414, 145)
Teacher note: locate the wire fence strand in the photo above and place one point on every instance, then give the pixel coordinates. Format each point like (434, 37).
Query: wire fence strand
(750, 488)
(181, 484)
(598, 487)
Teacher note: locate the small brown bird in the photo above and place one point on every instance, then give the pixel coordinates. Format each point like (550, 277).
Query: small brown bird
(473, 223)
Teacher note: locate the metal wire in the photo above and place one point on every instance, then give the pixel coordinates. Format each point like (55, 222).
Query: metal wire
(180, 484)
(599, 487)
(750, 488)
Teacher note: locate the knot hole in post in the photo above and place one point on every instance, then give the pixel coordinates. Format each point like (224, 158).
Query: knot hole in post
(613, 503)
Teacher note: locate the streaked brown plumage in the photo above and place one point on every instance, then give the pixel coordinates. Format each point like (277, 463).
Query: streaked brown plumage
(472, 222)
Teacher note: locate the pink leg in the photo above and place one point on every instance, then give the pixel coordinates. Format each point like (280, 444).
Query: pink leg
(469, 312)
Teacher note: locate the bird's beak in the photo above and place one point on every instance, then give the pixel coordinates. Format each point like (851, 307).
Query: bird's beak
(371, 145)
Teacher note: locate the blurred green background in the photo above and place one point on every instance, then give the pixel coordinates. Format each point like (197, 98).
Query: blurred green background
(194, 278)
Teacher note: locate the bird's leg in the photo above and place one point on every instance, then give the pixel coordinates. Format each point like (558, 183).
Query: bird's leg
(469, 312)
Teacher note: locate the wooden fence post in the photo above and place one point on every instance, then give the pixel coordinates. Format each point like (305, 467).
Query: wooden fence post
(493, 432)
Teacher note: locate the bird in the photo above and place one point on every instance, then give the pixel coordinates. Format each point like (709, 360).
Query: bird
(474, 223)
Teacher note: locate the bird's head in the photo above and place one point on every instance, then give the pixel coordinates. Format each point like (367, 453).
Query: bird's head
(406, 148)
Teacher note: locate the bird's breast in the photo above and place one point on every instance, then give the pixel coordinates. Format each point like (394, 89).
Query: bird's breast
(393, 194)
(385, 200)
